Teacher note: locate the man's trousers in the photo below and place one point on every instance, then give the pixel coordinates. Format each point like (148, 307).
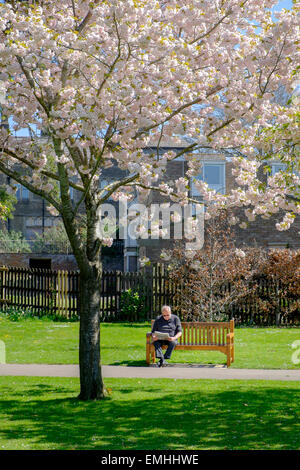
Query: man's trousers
(158, 348)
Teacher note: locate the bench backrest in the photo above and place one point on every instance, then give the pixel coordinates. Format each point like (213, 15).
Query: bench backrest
(205, 333)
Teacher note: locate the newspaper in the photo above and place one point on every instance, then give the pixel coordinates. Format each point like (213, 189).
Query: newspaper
(161, 335)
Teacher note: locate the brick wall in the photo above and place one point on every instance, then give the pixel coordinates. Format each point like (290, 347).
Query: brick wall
(262, 232)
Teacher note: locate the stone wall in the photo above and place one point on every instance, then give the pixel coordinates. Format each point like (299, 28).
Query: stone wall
(58, 261)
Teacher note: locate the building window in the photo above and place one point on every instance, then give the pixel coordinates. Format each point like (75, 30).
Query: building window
(38, 221)
(214, 175)
(130, 259)
(49, 222)
(276, 167)
(132, 263)
(29, 222)
(33, 222)
(22, 193)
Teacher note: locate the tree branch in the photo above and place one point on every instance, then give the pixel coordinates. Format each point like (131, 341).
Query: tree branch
(47, 173)
(20, 179)
(177, 111)
(228, 13)
(114, 186)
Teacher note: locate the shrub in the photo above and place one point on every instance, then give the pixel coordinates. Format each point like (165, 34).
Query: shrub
(13, 242)
(132, 306)
(281, 272)
(253, 285)
(16, 314)
(54, 240)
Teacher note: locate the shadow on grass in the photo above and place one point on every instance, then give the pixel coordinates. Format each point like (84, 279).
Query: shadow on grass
(154, 416)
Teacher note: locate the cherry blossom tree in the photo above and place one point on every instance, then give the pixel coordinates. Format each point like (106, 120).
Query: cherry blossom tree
(95, 81)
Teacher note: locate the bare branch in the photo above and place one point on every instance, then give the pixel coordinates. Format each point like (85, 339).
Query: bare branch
(228, 13)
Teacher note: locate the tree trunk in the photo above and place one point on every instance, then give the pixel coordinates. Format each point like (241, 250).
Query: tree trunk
(91, 383)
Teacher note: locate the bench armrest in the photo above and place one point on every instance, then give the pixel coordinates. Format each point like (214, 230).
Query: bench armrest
(230, 336)
(148, 336)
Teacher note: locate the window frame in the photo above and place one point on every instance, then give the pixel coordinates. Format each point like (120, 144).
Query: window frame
(195, 193)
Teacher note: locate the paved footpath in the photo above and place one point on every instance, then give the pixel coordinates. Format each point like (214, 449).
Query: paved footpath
(174, 371)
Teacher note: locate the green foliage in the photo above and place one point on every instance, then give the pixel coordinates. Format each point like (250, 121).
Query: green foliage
(132, 306)
(16, 314)
(55, 239)
(13, 242)
(7, 204)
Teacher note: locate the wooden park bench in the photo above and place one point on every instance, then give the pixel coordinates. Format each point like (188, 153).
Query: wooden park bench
(212, 336)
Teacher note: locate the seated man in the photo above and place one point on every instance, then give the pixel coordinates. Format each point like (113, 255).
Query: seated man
(166, 323)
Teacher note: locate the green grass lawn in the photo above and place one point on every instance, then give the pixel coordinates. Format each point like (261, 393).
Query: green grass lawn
(161, 414)
(45, 341)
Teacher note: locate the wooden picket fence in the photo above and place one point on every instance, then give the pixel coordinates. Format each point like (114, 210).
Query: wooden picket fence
(44, 291)
(153, 287)
(57, 292)
(39, 290)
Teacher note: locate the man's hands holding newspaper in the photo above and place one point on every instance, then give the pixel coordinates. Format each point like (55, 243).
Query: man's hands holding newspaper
(169, 338)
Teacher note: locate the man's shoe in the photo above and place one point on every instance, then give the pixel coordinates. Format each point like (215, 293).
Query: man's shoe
(162, 363)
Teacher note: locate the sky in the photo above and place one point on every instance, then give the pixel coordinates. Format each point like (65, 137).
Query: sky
(283, 4)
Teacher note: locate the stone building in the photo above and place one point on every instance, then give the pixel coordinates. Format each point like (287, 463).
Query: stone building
(32, 218)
